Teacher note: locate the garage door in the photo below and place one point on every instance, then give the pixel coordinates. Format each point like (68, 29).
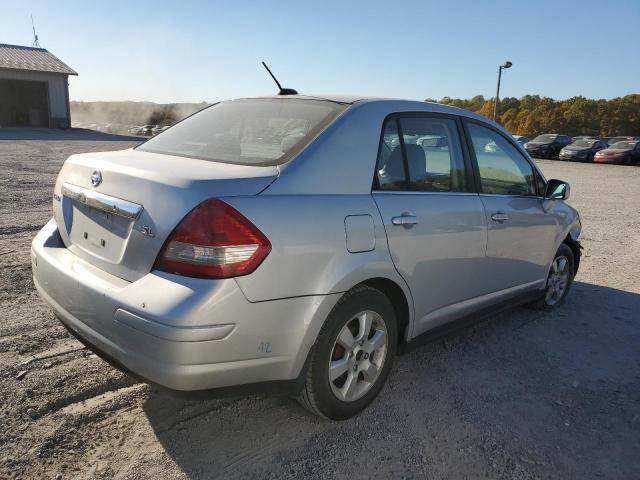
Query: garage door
(23, 103)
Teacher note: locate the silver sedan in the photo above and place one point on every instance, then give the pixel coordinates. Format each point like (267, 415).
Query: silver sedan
(300, 242)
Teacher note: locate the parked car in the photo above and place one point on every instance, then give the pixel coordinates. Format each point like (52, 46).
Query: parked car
(625, 152)
(158, 129)
(146, 130)
(547, 145)
(621, 139)
(582, 150)
(522, 140)
(209, 257)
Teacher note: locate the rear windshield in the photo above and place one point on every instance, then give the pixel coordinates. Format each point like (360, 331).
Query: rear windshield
(545, 138)
(247, 132)
(583, 143)
(623, 145)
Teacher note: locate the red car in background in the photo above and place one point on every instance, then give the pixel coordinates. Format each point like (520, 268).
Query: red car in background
(625, 152)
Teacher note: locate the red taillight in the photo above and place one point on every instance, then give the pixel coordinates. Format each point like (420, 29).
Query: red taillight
(213, 241)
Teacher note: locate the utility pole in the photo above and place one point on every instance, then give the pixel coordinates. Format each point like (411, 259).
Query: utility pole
(506, 64)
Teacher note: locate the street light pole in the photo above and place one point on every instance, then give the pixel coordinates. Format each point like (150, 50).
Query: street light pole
(506, 64)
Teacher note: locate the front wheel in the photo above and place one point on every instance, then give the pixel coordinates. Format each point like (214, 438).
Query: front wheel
(352, 356)
(559, 280)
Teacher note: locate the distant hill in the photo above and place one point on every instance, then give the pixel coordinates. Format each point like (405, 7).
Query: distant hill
(117, 117)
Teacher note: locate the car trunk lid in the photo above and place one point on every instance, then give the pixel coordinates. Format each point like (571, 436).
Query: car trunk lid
(116, 209)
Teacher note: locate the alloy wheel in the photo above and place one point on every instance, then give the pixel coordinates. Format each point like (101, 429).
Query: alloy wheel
(358, 356)
(558, 280)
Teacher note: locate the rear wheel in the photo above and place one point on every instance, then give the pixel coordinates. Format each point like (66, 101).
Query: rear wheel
(352, 356)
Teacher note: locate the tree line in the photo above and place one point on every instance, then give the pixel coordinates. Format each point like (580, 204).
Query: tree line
(533, 115)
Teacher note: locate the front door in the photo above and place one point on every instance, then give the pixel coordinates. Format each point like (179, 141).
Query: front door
(521, 233)
(435, 226)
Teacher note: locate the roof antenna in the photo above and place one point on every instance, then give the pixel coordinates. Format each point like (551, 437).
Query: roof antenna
(35, 35)
(283, 91)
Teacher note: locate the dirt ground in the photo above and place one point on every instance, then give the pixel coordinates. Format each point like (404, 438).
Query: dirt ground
(522, 395)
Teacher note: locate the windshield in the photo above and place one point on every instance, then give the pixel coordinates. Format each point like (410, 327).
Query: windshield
(545, 138)
(583, 143)
(259, 132)
(623, 145)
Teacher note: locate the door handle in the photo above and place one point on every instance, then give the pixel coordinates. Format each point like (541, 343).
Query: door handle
(406, 219)
(500, 217)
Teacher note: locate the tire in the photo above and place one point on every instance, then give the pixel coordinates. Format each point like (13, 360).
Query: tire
(358, 383)
(549, 301)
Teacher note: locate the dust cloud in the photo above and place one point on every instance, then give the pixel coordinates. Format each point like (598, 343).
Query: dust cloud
(119, 117)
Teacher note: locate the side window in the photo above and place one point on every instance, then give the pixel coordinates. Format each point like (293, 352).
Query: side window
(503, 170)
(434, 155)
(390, 166)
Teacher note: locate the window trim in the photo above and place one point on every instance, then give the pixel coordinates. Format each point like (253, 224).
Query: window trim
(476, 169)
(470, 187)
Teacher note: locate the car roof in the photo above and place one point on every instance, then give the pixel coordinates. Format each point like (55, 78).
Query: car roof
(392, 104)
(349, 99)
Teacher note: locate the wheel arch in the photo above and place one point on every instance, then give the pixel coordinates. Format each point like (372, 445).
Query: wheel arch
(399, 302)
(576, 248)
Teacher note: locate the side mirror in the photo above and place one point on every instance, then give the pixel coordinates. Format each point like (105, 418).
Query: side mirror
(557, 190)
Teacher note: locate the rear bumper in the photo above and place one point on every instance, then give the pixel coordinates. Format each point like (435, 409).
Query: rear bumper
(179, 332)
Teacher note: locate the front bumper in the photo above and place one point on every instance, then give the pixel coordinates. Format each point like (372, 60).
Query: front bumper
(609, 159)
(537, 153)
(179, 332)
(573, 156)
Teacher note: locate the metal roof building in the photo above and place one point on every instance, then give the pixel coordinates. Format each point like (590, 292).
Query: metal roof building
(34, 88)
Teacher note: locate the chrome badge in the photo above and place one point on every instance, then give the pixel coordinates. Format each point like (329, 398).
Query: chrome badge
(96, 178)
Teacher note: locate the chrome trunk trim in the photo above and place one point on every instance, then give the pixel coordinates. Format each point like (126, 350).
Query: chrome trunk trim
(102, 202)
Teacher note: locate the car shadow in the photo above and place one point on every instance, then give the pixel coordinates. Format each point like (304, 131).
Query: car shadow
(497, 379)
(18, 133)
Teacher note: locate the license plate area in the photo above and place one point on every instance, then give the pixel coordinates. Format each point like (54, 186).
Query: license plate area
(97, 223)
(100, 233)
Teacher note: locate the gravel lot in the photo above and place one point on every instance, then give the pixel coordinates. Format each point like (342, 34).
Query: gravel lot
(521, 395)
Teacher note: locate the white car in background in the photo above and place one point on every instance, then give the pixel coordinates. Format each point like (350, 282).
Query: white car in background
(158, 129)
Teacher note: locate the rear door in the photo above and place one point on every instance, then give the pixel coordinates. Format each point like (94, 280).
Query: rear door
(435, 223)
(521, 233)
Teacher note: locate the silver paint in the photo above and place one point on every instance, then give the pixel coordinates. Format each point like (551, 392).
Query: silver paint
(449, 253)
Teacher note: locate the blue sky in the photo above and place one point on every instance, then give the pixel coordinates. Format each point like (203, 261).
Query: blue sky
(184, 51)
